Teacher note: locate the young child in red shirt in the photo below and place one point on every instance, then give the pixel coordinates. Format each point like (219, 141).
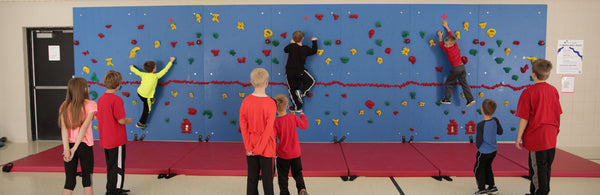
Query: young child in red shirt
(539, 110)
(458, 70)
(257, 116)
(288, 148)
(112, 132)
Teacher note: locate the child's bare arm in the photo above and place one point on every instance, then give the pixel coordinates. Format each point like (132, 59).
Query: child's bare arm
(125, 121)
(440, 35)
(522, 125)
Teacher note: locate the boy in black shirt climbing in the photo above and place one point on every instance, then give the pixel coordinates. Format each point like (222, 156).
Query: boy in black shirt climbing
(295, 72)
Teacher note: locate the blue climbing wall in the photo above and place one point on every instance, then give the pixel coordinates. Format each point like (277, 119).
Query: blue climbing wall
(405, 96)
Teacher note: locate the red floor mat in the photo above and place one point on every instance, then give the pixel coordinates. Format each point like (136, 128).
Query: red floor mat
(214, 158)
(50, 160)
(386, 160)
(323, 160)
(458, 159)
(154, 157)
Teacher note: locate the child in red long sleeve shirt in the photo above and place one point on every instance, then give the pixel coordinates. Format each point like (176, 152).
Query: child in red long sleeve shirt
(257, 116)
(288, 148)
(458, 70)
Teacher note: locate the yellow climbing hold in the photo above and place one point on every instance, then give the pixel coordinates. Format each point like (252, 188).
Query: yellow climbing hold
(109, 62)
(362, 112)
(327, 60)
(215, 18)
(198, 18)
(480, 94)
(421, 104)
(240, 26)
(134, 102)
(320, 51)
(156, 44)
(173, 27)
(463, 95)
(379, 60)
(491, 32)
(378, 112)
(191, 95)
(242, 94)
(505, 103)
(133, 52)
(405, 51)
(533, 59)
(482, 25)
(404, 103)
(174, 94)
(353, 51)
(95, 126)
(466, 25)
(335, 121)
(86, 69)
(268, 33)
(457, 33)
(431, 43)
(318, 121)
(507, 51)
(224, 95)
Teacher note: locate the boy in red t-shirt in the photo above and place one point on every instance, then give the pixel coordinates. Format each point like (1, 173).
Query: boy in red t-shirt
(257, 116)
(458, 70)
(539, 110)
(288, 148)
(112, 132)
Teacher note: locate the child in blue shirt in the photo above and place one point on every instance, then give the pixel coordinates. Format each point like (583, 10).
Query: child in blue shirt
(486, 148)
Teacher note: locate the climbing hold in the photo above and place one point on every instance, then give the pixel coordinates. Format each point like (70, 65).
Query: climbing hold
(344, 59)
(405, 34)
(463, 95)
(335, 16)
(233, 122)
(327, 60)
(198, 18)
(513, 111)
(215, 35)
(473, 52)
(499, 60)
(404, 103)
(284, 35)
(267, 52)
(533, 59)
(167, 120)
(224, 95)
(421, 104)
(361, 112)
(192, 111)
(482, 43)
(476, 41)
(133, 102)
(94, 61)
(207, 112)
(174, 94)
(378, 24)
(327, 42)
(413, 95)
(320, 51)
(353, 51)
(463, 112)
(355, 16)
(370, 104)
(439, 68)
(396, 112)
(275, 43)
(215, 52)
(388, 50)
(133, 42)
(94, 77)
(335, 121)
(499, 42)
(167, 103)
(345, 113)
(507, 69)
(438, 103)
(457, 34)
(240, 25)
(173, 26)
(482, 25)
(75, 42)
(191, 60)
(407, 41)
(215, 18)
(268, 33)
(133, 52)
(232, 52)
(173, 43)
(507, 51)
(258, 61)
(505, 103)
(241, 94)
(422, 33)
(379, 60)
(198, 35)
(86, 69)
(338, 42)
(479, 111)
(190, 43)
(241, 60)
(491, 32)
(466, 26)
(275, 61)
(108, 26)
(100, 35)
(516, 42)
(412, 59)
(405, 51)
(156, 44)
(344, 95)
(431, 43)
(267, 41)
(318, 121)
(515, 77)
(326, 95)
(370, 52)
(379, 42)
(524, 69)
(126, 94)
(464, 59)
(480, 94)
(371, 33)
(513, 128)
(491, 51)
(446, 112)
(541, 42)
(93, 95)
(186, 127)
(387, 103)
(370, 121)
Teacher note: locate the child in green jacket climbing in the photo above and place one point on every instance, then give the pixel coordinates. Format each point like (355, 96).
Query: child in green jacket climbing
(148, 86)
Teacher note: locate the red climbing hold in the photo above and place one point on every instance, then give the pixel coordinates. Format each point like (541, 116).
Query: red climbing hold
(141, 27)
(476, 41)
(190, 43)
(338, 42)
(463, 112)
(126, 94)
(371, 33)
(482, 43)
(100, 35)
(516, 42)
(309, 95)
(470, 127)
(319, 16)
(436, 137)
(513, 111)
(464, 59)
(452, 127)
(241, 60)
(412, 129)
(326, 95)
(198, 42)
(215, 52)
(412, 59)
(407, 41)
(173, 43)
(167, 103)
(267, 52)
(224, 112)
(541, 42)
(335, 16)
(133, 42)
(94, 61)
(284, 35)
(396, 112)
(344, 95)
(86, 52)
(192, 111)
(370, 104)
(267, 41)
(108, 26)
(388, 50)
(186, 126)
(75, 42)
(439, 68)
(355, 16)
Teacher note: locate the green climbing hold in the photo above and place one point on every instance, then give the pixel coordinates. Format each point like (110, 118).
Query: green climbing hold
(345, 113)
(198, 35)
(175, 62)
(499, 42)
(446, 112)
(93, 95)
(479, 111)
(422, 33)
(438, 103)
(413, 95)
(191, 60)
(207, 112)
(499, 60)
(258, 61)
(233, 121)
(491, 51)
(405, 34)
(507, 69)
(344, 59)
(370, 121)
(275, 43)
(378, 24)
(327, 112)
(216, 35)
(370, 52)
(167, 120)
(530, 78)
(275, 61)
(232, 52)
(94, 77)
(387, 103)
(327, 42)
(513, 129)
(473, 52)
(379, 42)
(515, 77)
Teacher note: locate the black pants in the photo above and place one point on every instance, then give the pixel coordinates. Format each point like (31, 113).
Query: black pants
(483, 170)
(295, 79)
(146, 110)
(256, 164)
(540, 164)
(85, 154)
(283, 169)
(115, 169)
(459, 72)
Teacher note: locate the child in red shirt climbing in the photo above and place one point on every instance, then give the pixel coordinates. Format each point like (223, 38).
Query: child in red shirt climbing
(288, 148)
(458, 70)
(257, 116)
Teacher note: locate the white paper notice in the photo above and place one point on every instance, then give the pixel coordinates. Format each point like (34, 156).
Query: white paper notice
(569, 58)
(53, 52)
(568, 84)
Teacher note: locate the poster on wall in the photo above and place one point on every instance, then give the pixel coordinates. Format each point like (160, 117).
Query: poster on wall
(53, 52)
(569, 57)
(568, 84)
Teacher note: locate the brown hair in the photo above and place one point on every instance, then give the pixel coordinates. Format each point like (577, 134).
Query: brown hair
(282, 102)
(258, 77)
(541, 68)
(450, 38)
(149, 66)
(489, 107)
(73, 106)
(112, 79)
(298, 36)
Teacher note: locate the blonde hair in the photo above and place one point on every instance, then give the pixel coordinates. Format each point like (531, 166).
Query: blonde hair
(72, 110)
(112, 79)
(298, 36)
(542, 68)
(450, 39)
(282, 102)
(259, 77)
(489, 107)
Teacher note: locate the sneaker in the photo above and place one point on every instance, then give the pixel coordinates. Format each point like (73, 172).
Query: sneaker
(493, 190)
(299, 96)
(445, 101)
(472, 102)
(140, 125)
(303, 192)
(482, 192)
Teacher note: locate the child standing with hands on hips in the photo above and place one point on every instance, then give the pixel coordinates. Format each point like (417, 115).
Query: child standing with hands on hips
(458, 70)
(486, 148)
(148, 86)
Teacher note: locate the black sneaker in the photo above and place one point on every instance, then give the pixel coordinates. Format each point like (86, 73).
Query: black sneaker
(482, 192)
(445, 101)
(493, 190)
(140, 125)
(472, 102)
